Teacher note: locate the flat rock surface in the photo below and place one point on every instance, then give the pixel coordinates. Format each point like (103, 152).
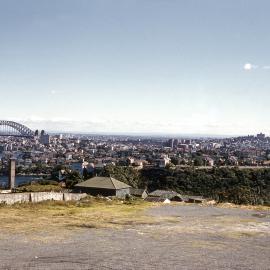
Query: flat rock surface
(191, 237)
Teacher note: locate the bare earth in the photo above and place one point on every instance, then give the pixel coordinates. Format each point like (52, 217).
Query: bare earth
(191, 237)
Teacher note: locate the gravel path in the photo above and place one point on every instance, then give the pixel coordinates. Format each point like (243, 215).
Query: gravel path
(193, 237)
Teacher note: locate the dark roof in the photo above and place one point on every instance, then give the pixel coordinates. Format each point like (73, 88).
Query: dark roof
(103, 182)
(154, 199)
(176, 198)
(163, 193)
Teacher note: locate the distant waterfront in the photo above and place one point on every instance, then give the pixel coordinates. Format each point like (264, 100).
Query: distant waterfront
(19, 179)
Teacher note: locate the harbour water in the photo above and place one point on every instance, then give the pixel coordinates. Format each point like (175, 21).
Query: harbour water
(19, 180)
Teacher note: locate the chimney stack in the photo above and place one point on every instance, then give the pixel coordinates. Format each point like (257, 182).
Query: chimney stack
(11, 173)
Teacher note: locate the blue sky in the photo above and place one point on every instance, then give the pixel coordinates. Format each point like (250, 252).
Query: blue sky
(155, 66)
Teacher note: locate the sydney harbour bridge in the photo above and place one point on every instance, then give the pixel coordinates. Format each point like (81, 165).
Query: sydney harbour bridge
(10, 128)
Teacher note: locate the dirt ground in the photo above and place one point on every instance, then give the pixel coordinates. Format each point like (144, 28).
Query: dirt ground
(191, 237)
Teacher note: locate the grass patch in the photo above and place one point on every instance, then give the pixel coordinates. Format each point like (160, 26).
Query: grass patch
(55, 215)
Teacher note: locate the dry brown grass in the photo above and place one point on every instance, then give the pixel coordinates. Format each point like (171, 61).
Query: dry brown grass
(90, 213)
(61, 218)
(248, 207)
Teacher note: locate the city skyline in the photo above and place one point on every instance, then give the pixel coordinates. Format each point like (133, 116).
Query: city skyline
(154, 67)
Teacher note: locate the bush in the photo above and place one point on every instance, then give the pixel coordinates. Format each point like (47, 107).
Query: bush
(39, 188)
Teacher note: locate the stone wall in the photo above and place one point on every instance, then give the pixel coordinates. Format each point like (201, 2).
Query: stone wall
(12, 198)
(46, 196)
(74, 196)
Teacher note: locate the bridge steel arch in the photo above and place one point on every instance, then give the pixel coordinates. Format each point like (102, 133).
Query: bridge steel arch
(23, 130)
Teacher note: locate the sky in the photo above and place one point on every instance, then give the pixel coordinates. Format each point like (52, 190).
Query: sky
(136, 66)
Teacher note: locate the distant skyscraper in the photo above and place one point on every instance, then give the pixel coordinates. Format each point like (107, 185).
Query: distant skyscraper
(172, 143)
(45, 139)
(261, 136)
(175, 143)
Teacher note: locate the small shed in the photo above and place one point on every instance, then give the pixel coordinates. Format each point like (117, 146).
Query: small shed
(166, 194)
(195, 199)
(137, 192)
(105, 186)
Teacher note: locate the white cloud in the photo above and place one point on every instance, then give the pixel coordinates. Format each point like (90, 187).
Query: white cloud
(53, 92)
(249, 66)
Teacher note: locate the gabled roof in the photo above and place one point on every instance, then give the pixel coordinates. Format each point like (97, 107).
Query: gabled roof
(103, 182)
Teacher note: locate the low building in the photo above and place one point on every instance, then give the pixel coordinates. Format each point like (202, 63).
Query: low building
(195, 199)
(137, 192)
(159, 195)
(162, 162)
(105, 186)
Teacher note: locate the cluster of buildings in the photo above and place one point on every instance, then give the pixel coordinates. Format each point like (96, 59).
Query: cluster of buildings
(88, 152)
(108, 186)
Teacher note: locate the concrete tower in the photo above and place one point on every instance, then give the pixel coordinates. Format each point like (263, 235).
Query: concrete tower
(11, 173)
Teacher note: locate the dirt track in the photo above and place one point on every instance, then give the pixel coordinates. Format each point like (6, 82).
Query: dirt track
(196, 237)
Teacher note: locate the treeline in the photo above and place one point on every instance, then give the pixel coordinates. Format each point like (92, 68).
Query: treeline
(240, 186)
